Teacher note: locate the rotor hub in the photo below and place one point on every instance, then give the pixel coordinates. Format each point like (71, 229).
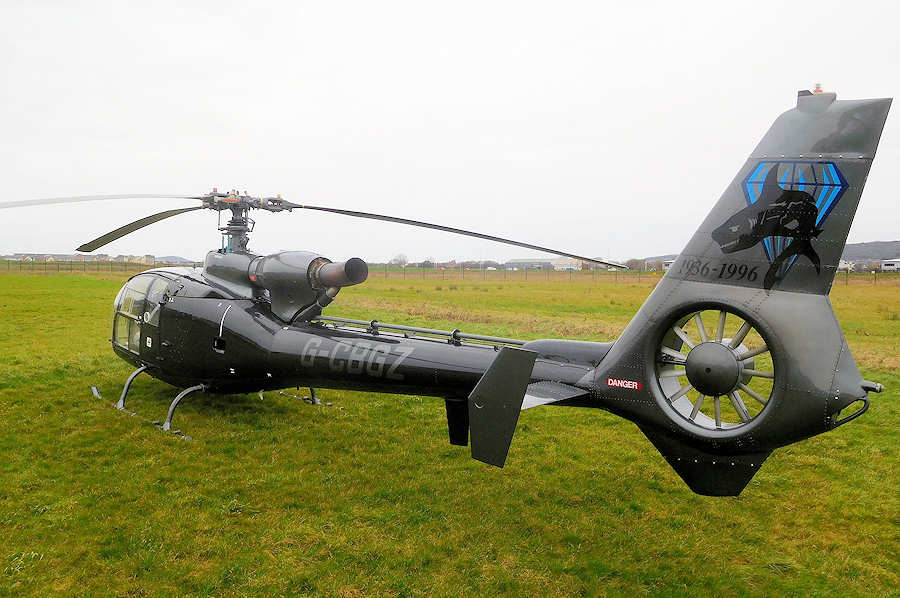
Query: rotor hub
(713, 369)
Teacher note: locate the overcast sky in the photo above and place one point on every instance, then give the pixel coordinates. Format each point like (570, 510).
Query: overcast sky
(602, 130)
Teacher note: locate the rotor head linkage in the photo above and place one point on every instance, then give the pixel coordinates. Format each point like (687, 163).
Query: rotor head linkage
(216, 200)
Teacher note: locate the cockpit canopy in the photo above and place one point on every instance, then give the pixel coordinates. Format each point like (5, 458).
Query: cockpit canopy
(136, 304)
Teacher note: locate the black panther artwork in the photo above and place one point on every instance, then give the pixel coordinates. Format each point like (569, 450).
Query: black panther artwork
(778, 212)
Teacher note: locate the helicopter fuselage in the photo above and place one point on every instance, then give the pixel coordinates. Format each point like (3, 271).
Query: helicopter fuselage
(190, 332)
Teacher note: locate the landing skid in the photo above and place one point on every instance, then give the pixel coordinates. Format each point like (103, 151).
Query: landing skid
(312, 399)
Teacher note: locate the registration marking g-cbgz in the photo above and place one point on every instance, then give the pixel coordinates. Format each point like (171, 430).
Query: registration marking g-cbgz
(357, 358)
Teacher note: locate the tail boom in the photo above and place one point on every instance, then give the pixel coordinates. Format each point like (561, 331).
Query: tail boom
(766, 254)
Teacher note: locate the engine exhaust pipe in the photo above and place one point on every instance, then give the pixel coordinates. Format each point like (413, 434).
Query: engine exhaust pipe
(339, 274)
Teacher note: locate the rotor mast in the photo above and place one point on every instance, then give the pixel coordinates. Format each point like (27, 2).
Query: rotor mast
(236, 233)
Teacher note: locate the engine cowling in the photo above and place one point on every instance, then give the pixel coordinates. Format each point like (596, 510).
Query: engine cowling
(301, 283)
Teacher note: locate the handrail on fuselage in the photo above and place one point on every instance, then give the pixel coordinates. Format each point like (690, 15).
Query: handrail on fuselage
(456, 336)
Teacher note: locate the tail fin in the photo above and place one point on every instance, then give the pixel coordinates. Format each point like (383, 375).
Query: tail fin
(786, 215)
(737, 351)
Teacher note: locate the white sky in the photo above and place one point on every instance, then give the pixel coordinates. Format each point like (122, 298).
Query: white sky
(599, 129)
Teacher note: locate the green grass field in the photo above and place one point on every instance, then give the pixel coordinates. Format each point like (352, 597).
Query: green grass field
(277, 497)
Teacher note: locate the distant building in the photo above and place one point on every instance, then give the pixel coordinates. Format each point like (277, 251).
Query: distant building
(667, 264)
(59, 257)
(892, 265)
(529, 264)
(566, 263)
(135, 259)
(845, 266)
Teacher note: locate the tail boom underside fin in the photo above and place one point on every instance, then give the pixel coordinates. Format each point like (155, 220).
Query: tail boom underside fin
(706, 473)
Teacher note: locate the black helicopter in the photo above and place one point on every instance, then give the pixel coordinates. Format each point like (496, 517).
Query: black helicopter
(685, 370)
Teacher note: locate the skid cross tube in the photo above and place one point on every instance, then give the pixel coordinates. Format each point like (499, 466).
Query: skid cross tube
(167, 425)
(121, 404)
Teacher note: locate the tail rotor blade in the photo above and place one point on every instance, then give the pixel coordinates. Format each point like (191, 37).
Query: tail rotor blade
(133, 226)
(450, 229)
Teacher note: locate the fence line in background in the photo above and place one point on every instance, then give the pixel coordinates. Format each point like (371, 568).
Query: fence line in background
(433, 274)
(61, 267)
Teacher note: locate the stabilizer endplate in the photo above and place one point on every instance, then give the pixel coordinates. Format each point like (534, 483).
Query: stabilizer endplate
(495, 402)
(707, 473)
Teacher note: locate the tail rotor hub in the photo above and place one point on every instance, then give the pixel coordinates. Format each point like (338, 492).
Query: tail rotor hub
(713, 369)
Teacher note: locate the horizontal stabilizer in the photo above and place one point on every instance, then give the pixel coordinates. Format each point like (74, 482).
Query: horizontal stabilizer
(546, 392)
(707, 473)
(495, 402)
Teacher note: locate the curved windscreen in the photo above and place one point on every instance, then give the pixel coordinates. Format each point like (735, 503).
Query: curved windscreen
(136, 303)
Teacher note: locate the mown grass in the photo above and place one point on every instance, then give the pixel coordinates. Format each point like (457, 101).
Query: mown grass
(277, 497)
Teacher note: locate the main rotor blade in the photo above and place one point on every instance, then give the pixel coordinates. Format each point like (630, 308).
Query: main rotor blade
(450, 229)
(131, 227)
(79, 198)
